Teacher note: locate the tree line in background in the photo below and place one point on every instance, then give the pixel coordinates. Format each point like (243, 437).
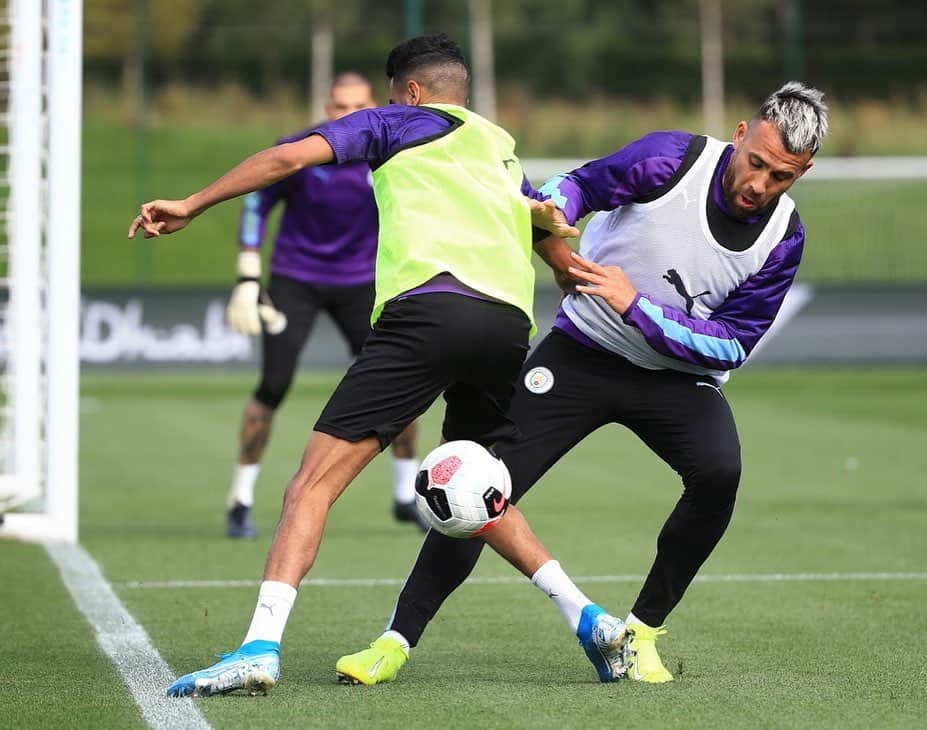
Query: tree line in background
(572, 48)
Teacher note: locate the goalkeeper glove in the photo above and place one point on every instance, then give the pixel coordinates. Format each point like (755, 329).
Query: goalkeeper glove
(248, 305)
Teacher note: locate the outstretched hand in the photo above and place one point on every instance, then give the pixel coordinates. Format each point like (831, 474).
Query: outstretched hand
(606, 282)
(161, 216)
(548, 216)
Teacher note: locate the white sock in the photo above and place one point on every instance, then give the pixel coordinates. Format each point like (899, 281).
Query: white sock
(403, 641)
(275, 599)
(242, 489)
(404, 473)
(557, 585)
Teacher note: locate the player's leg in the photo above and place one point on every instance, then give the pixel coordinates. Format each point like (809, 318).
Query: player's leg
(601, 635)
(549, 425)
(568, 390)
(390, 383)
(399, 373)
(554, 408)
(328, 465)
(349, 307)
(498, 340)
(279, 358)
(687, 421)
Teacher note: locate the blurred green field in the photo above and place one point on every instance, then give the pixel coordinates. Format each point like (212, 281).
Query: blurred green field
(858, 231)
(833, 483)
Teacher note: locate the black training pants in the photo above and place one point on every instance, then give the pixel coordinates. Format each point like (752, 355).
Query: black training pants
(567, 391)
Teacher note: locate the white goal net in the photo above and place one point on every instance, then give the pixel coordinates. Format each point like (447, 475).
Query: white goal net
(40, 113)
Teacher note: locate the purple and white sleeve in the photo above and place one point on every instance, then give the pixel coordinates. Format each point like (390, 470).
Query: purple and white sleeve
(619, 178)
(723, 341)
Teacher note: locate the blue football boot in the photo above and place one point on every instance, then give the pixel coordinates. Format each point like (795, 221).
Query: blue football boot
(602, 637)
(254, 667)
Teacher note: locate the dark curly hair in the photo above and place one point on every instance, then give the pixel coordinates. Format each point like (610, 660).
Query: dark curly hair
(436, 56)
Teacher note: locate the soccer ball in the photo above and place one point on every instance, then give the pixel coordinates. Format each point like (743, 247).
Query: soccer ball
(462, 489)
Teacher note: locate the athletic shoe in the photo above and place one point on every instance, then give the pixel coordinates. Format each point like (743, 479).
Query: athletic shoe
(239, 523)
(408, 512)
(380, 663)
(641, 656)
(254, 667)
(602, 637)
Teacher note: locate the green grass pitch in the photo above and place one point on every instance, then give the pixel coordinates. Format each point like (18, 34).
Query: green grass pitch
(833, 483)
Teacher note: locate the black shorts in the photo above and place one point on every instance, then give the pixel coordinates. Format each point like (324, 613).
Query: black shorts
(348, 306)
(470, 349)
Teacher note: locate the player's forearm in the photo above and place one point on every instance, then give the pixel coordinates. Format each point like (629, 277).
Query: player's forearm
(260, 170)
(705, 342)
(555, 252)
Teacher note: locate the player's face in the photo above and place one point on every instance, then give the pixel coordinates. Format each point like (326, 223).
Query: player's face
(760, 168)
(349, 98)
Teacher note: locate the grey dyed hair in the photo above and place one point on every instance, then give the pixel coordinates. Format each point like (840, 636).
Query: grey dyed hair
(801, 115)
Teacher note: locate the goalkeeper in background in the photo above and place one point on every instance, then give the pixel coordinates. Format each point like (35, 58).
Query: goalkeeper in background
(323, 260)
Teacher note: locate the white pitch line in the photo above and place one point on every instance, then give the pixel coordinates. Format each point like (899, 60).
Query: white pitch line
(125, 642)
(508, 580)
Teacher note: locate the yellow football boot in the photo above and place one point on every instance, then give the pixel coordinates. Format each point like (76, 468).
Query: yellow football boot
(380, 663)
(641, 656)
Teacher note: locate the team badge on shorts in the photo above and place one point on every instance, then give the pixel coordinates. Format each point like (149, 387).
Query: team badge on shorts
(539, 380)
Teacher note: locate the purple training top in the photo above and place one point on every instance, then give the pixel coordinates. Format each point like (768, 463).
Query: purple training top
(328, 232)
(628, 176)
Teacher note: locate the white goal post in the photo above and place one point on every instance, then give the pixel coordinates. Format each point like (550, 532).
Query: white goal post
(42, 63)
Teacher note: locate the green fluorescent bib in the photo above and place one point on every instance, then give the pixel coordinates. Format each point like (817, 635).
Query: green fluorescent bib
(454, 204)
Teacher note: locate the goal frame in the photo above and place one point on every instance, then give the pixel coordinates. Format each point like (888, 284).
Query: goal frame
(44, 125)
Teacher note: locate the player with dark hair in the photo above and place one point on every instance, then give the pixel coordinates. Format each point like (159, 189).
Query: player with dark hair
(681, 273)
(323, 260)
(452, 312)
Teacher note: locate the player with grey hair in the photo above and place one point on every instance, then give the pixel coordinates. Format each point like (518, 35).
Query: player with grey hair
(682, 271)
(801, 115)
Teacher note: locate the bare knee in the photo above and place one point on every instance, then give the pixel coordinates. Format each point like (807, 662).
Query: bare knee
(302, 490)
(328, 466)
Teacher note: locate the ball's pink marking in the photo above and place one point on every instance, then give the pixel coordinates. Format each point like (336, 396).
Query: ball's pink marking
(444, 470)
